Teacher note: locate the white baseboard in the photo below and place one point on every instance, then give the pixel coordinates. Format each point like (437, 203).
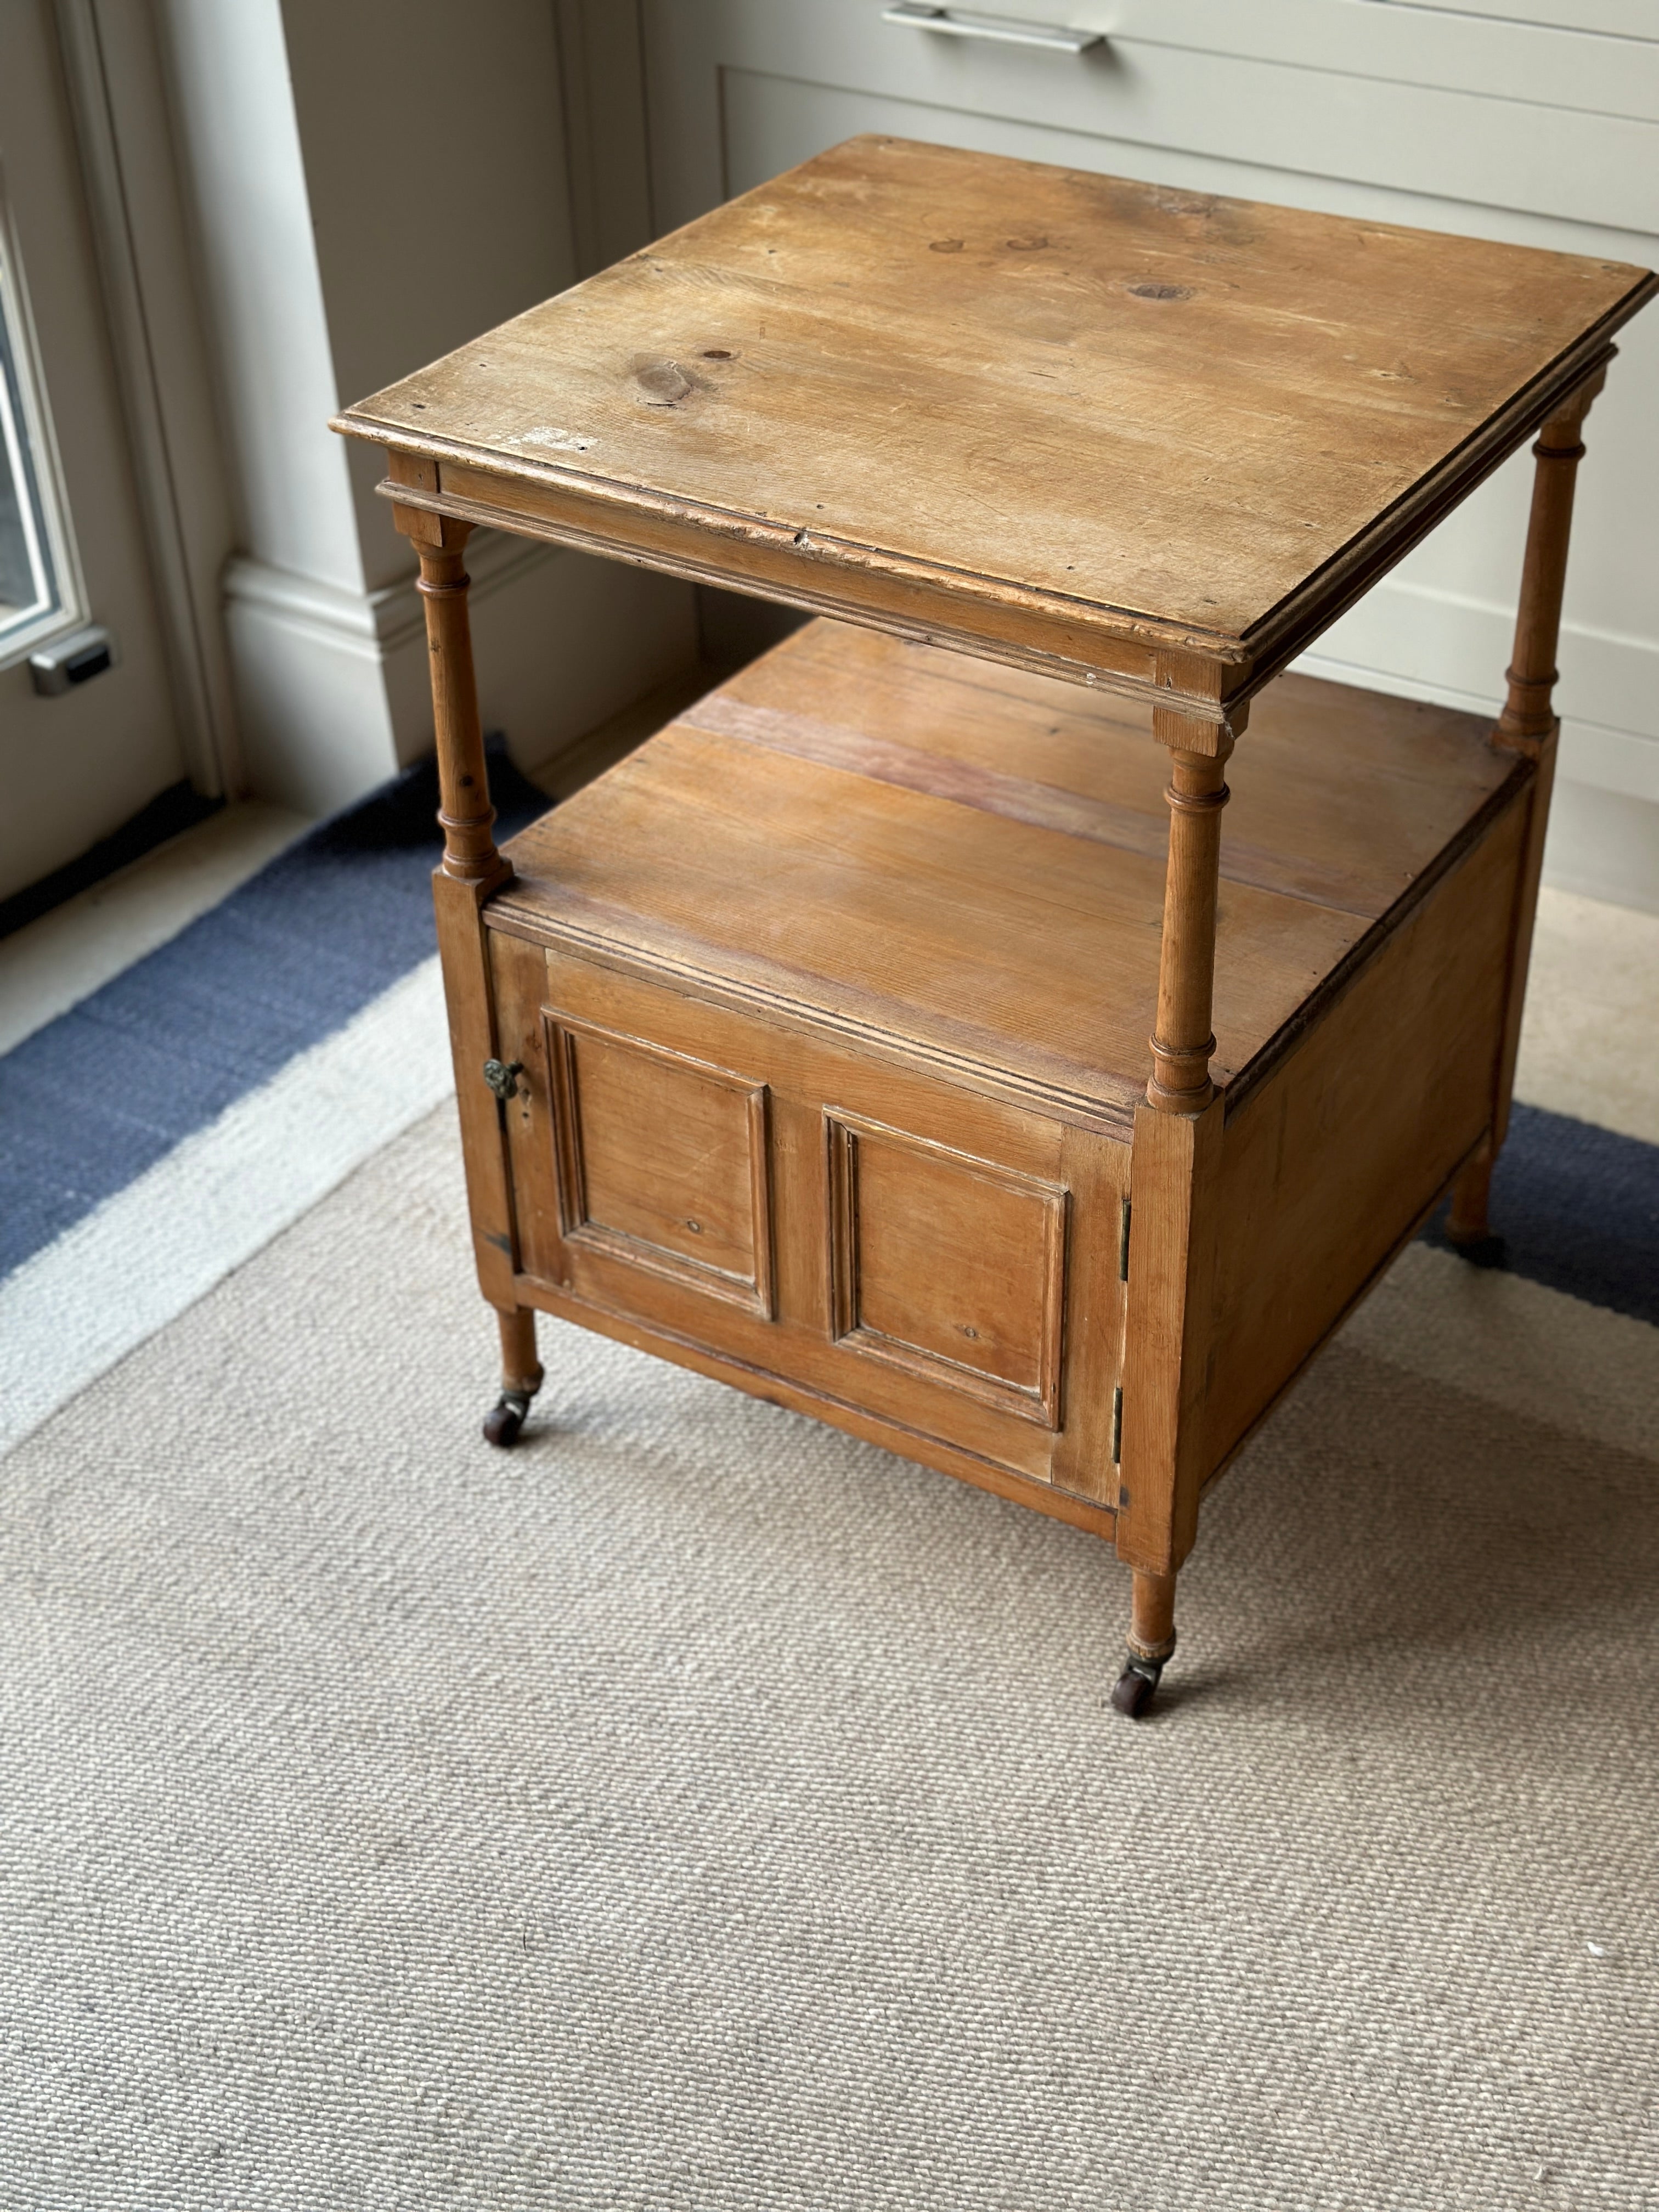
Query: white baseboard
(1604, 845)
(311, 692)
(1423, 643)
(332, 684)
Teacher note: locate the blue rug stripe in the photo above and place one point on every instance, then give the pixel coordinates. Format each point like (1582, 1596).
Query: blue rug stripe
(1578, 1208)
(96, 1097)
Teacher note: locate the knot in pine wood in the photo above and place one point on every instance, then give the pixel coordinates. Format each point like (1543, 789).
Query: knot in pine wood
(663, 383)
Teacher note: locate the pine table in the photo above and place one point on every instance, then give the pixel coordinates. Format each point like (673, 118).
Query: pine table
(896, 1035)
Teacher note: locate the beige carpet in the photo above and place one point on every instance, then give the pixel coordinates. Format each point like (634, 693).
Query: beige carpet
(696, 1809)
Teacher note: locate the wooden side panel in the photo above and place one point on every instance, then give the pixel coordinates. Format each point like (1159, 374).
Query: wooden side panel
(1095, 1172)
(521, 978)
(1327, 1166)
(1526, 913)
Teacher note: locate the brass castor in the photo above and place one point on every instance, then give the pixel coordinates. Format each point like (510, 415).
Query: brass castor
(506, 1418)
(1152, 1642)
(1132, 1692)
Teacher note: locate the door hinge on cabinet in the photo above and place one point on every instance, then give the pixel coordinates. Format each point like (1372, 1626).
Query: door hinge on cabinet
(1123, 1243)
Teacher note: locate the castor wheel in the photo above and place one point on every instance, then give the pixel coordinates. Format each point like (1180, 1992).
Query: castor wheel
(1481, 1251)
(1132, 1692)
(520, 1372)
(506, 1418)
(1151, 1641)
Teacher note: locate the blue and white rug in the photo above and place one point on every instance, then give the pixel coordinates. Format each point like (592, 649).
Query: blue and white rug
(166, 1128)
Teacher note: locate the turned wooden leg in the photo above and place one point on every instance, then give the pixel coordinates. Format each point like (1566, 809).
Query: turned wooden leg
(1467, 1225)
(1528, 715)
(1152, 1642)
(521, 1375)
(465, 812)
(1181, 1042)
(472, 870)
(1176, 1157)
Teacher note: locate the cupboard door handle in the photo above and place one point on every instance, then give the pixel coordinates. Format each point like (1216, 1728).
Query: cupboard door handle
(503, 1077)
(962, 24)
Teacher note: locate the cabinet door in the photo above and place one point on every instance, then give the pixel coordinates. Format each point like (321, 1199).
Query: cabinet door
(935, 1256)
(1446, 118)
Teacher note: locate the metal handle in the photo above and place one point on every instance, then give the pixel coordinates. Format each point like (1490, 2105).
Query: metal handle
(503, 1078)
(961, 24)
(72, 659)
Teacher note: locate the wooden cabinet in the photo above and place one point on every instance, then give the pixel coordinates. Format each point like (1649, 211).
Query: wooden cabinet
(896, 1035)
(833, 1033)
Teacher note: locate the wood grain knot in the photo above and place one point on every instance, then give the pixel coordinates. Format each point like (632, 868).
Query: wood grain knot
(1159, 292)
(1025, 245)
(663, 382)
(945, 245)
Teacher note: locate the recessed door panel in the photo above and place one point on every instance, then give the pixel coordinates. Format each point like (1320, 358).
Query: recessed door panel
(662, 1160)
(950, 1267)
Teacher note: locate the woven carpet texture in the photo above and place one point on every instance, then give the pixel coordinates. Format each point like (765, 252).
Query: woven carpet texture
(697, 1809)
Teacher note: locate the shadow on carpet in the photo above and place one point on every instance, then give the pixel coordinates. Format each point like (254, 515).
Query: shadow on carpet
(1577, 1208)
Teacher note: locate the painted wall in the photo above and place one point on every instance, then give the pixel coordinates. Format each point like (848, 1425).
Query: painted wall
(370, 183)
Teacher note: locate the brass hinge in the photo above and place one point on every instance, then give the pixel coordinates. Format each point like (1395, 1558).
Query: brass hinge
(1123, 1243)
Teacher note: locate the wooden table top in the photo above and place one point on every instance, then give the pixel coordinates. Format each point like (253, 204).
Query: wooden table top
(1141, 436)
